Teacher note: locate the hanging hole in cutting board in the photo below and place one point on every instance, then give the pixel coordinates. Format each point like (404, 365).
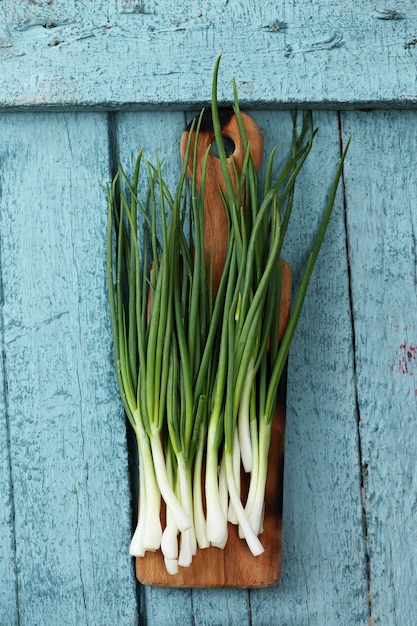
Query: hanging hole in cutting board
(229, 146)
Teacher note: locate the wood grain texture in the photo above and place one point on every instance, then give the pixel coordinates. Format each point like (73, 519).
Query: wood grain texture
(67, 433)
(381, 184)
(8, 586)
(149, 53)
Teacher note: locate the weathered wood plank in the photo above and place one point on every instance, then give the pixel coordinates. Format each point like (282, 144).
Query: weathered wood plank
(67, 433)
(323, 571)
(154, 131)
(215, 607)
(382, 225)
(128, 54)
(8, 586)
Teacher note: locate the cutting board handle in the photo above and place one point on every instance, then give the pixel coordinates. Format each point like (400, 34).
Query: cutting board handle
(215, 217)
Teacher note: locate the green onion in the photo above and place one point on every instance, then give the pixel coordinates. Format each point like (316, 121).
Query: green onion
(198, 376)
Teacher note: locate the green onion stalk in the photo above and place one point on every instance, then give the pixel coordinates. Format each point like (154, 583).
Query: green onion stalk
(198, 374)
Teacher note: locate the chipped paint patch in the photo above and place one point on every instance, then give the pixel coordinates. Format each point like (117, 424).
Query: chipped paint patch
(404, 359)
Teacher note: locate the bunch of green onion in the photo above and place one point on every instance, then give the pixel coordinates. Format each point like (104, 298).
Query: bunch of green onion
(198, 375)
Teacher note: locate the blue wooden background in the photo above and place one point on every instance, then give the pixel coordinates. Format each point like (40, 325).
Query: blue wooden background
(78, 79)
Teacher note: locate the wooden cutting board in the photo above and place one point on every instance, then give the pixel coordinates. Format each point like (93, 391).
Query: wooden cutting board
(235, 565)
